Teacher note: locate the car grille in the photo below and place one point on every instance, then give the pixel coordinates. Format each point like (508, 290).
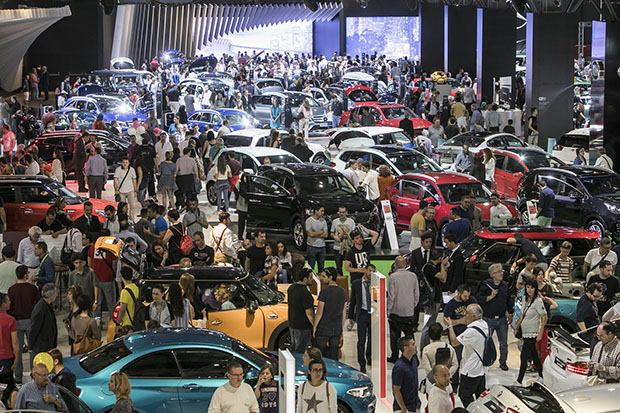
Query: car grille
(319, 118)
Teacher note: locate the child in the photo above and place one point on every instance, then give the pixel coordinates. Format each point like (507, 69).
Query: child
(267, 390)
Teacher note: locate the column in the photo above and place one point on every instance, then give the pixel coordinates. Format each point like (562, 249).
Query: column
(431, 37)
(460, 48)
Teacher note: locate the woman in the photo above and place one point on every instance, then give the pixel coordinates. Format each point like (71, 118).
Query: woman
(223, 296)
(311, 354)
(286, 262)
(222, 174)
(532, 323)
(241, 205)
(26, 88)
(384, 179)
(220, 101)
(173, 237)
(580, 159)
(176, 304)
(275, 121)
(166, 184)
(266, 390)
(274, 139)
(158, 310)
(99, 124)
(272, 263)
(58, 167)
(60, 204)
(8, 396)
(84, 324)
(489, 168)
(187, 283)
(182, 115)
(119, 385)
(174, 126)
(546, 293)
(317, 389)
(123, 209)
(158, 257)
(304, 116)
(73, 293)
(532, 127)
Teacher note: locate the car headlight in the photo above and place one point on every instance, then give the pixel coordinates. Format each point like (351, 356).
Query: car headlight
(309, 211)
(359, 392)
(613, 208)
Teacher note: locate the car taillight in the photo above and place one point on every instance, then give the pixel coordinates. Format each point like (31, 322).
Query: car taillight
(333, 165)
(484, 393)
(557, 147)
(78, 391)
(580, 367)
(509, 410)
(115, 313)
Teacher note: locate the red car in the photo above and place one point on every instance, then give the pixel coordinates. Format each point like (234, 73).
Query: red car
(27, 199)
(443, 188)
(511, 165)
(386, 115)
(361, 95)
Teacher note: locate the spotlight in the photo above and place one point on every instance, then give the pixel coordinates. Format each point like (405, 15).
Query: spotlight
(311, 5)
(109, 6)
(558, 3)
(363, 3)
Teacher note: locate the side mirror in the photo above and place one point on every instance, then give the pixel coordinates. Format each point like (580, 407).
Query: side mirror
(518, 174)
(575, 195)
(248, 171)
(475, 260)
(252, 307)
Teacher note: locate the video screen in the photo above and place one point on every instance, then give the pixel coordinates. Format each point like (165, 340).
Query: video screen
(394, 37)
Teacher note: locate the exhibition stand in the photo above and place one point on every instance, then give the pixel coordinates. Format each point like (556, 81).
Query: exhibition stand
(286, 380)
(379, 331)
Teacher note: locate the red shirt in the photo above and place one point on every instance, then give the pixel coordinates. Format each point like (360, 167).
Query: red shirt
(7, 326)
(8, 141)
(103, 270)
(99, 125)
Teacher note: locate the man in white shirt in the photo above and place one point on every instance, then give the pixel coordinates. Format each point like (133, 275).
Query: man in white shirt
(595, 256)
(162, 146)
(234, 396)
(222, 239)
(25, 251)
(440, 397)
(499, 212)
(472, 380)
(370, 182)
(125, 185)
(223, 130)
(604, 161)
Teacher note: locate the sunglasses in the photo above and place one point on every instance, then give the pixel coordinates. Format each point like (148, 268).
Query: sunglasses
(316, 370)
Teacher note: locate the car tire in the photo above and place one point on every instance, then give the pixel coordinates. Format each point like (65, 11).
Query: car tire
(394, 217)
(211, 194)
(596, 225)
(343, 408)
(441, 242)
(298, 231)
(283, 341)
(319, 158)
(525, 217)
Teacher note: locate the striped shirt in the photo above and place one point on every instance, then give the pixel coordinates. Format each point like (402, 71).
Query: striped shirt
(609, 356)
(30, 396)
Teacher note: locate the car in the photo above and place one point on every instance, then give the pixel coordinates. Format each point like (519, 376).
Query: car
(398, 159)
(387, 115)
(83, 119)
(177, 370)
(477, 141)
(534, 398)
(363, 76)
(511, 165)
(268, 85)
(123, 79)
(566, 146)
(112, 108)
(439, 77)
(445, 189)
(381, 135)
(585, 197)
(27, 199)
(361, 95)
(282, 197)
(215, 117)
(122, 63)
(172, 58)
(250, 158)
(292, 100)
(113, 147)
(197, 88)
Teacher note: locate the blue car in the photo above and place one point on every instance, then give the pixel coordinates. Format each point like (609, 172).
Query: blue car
(176, 370)
(112, 108)
(214, 117)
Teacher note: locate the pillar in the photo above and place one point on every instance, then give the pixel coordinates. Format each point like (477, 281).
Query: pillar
(495, 48)
(431, 37)
(460, 31)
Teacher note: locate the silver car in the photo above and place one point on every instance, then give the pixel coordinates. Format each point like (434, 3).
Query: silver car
(292, 100)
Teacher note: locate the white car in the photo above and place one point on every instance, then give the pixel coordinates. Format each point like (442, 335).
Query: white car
(477, 141)
(566, 146)
(250, 159)
(400, 160)
(196, 88)
(381, 135)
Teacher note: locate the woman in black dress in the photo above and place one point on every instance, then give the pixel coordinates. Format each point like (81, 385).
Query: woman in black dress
(173, 237)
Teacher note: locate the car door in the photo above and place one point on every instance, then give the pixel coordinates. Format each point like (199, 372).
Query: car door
(269, 205)
(216, 120)
(47, 145)
(154, 380)
(408, 202)
(556, 182)
(568, 203)
(500, 172)
(477, 269)
(11, 207)
(262, 112)
(514, 171)
(35, 201)
(111, 151)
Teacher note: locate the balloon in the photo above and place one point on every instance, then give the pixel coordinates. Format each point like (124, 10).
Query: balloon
(141, 130)
(44, 358)
(131, 131)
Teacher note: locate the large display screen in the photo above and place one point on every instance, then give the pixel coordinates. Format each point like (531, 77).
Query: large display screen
(394, 37)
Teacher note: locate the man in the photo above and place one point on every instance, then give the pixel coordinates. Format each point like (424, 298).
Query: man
(162, 146)
(466, 209)
(47, 269)
(187, 177)
(430, 352)
(149, 163)
(494, 298)
(336, 109)
(341, 230)
(433, 275)
(417, 225)
(562, 265)
(509, 128)
(587, 314)
(223, 130)
(499, 212)
(79, 157)
(360, 305)
(43, 329)
(255, 256)
(459, 111)
(223, 240)
(596, 256)
(143, 225)
(405, 377)
(456, 271)
(358, 256)
(330, 315)
(407, 126)
(546, 200)
(50, 225)
(472, 379)
(8, 142)
(234, 396)
(85, 278)
(128, 300)
(351, 173)
(451, 130)
(111, 222)
(610, 284)
(460, 227)
(201, 251)
(23, 296)
(430, 223)
(160, 225)
(316, 229)
(96, 172)
(126, 233)
(603, 161)
(526, 247)
(88, 222)
(64, 377)
(493, 120)
(104, 264)
(9, 344)
(440, 400)
(436, 132)
(476, 117)
(371, 182)
(7, 269)
(125, 185)
(605, 360)
(402, 299)
(300, 311)
(193, 218)
(455, 310)
(40, 393)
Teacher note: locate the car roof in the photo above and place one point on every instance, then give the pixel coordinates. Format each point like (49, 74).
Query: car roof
(226, 111)
(259, 150)
(534, 231)
(301, 169)
(442, 177)
(578, 170)
(25, 178)
(206, 273)
(252, 132)
(521, 151)
(581, 131)
(375, 130)
(154, 337)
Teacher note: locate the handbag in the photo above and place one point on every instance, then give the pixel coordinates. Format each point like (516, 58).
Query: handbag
(65, 253)
(300, 115)
(85, 343)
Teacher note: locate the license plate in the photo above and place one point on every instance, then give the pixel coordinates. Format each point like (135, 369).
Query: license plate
(493, 407)
(560, 363)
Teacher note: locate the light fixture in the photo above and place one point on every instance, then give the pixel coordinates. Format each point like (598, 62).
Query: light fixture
(363, 3)
(311, 5)
(557, 3)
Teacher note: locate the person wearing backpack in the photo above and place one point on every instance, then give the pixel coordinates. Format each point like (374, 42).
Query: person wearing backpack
(478, 350)
(128, 300)
(174, 236)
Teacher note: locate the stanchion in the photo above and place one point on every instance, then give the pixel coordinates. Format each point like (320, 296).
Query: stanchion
(378, 328)
(286, 380)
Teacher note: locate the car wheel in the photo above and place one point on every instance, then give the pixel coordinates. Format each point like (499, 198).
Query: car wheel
(343, 408)
(525, 217)
(442, 236)
(299, 234)
(395, 217)
(597, 225)
(320, 159)
(284, 340)
(211, 194)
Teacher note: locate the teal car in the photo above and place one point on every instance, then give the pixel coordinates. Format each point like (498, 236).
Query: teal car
(176, 370)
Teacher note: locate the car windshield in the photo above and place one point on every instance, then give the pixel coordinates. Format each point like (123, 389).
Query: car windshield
(540, 160)
(268, 83)
(472, 141)
(471, 244)
(537, 399)
(409, 162)
(606, 185)
(127, 80)
(112, 105)
(278, 159)
(397, 112)
(362, 95)
(452, 193)
(59, 189)
(296, 100)
(262, 292)
(105, 355)
(323, 185)
(239, 118)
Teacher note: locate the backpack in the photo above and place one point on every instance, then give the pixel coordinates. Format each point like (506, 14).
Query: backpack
(489, 355)
(140, 313)
(186, 243)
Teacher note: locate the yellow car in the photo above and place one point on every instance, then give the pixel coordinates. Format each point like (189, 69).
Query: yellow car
(439, 77)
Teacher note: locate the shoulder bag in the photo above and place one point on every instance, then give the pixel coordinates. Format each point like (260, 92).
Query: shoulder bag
(67, 250)
(117, 197)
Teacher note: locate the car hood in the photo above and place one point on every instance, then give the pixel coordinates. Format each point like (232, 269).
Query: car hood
(354, 203)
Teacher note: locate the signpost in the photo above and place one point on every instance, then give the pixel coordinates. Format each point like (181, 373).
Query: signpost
(378, 328)
(286, 380)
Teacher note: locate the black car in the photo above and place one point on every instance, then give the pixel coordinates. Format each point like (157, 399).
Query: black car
(282, 196)
(113, 147)
(585, 197)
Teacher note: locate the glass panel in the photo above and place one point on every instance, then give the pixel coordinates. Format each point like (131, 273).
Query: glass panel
(160, 364)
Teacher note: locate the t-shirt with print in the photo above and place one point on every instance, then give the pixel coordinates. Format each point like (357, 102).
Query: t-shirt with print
(455, 310)
(268, 400)
(205, 255)
(359, 258)
(345, 228)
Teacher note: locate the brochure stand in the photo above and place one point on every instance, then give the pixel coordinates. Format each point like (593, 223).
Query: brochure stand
(286, 380)
(378, 329)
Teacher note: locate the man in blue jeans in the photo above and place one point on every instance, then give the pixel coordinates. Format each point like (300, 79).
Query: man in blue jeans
(494, 299)
(300, 311)
(316, 228)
